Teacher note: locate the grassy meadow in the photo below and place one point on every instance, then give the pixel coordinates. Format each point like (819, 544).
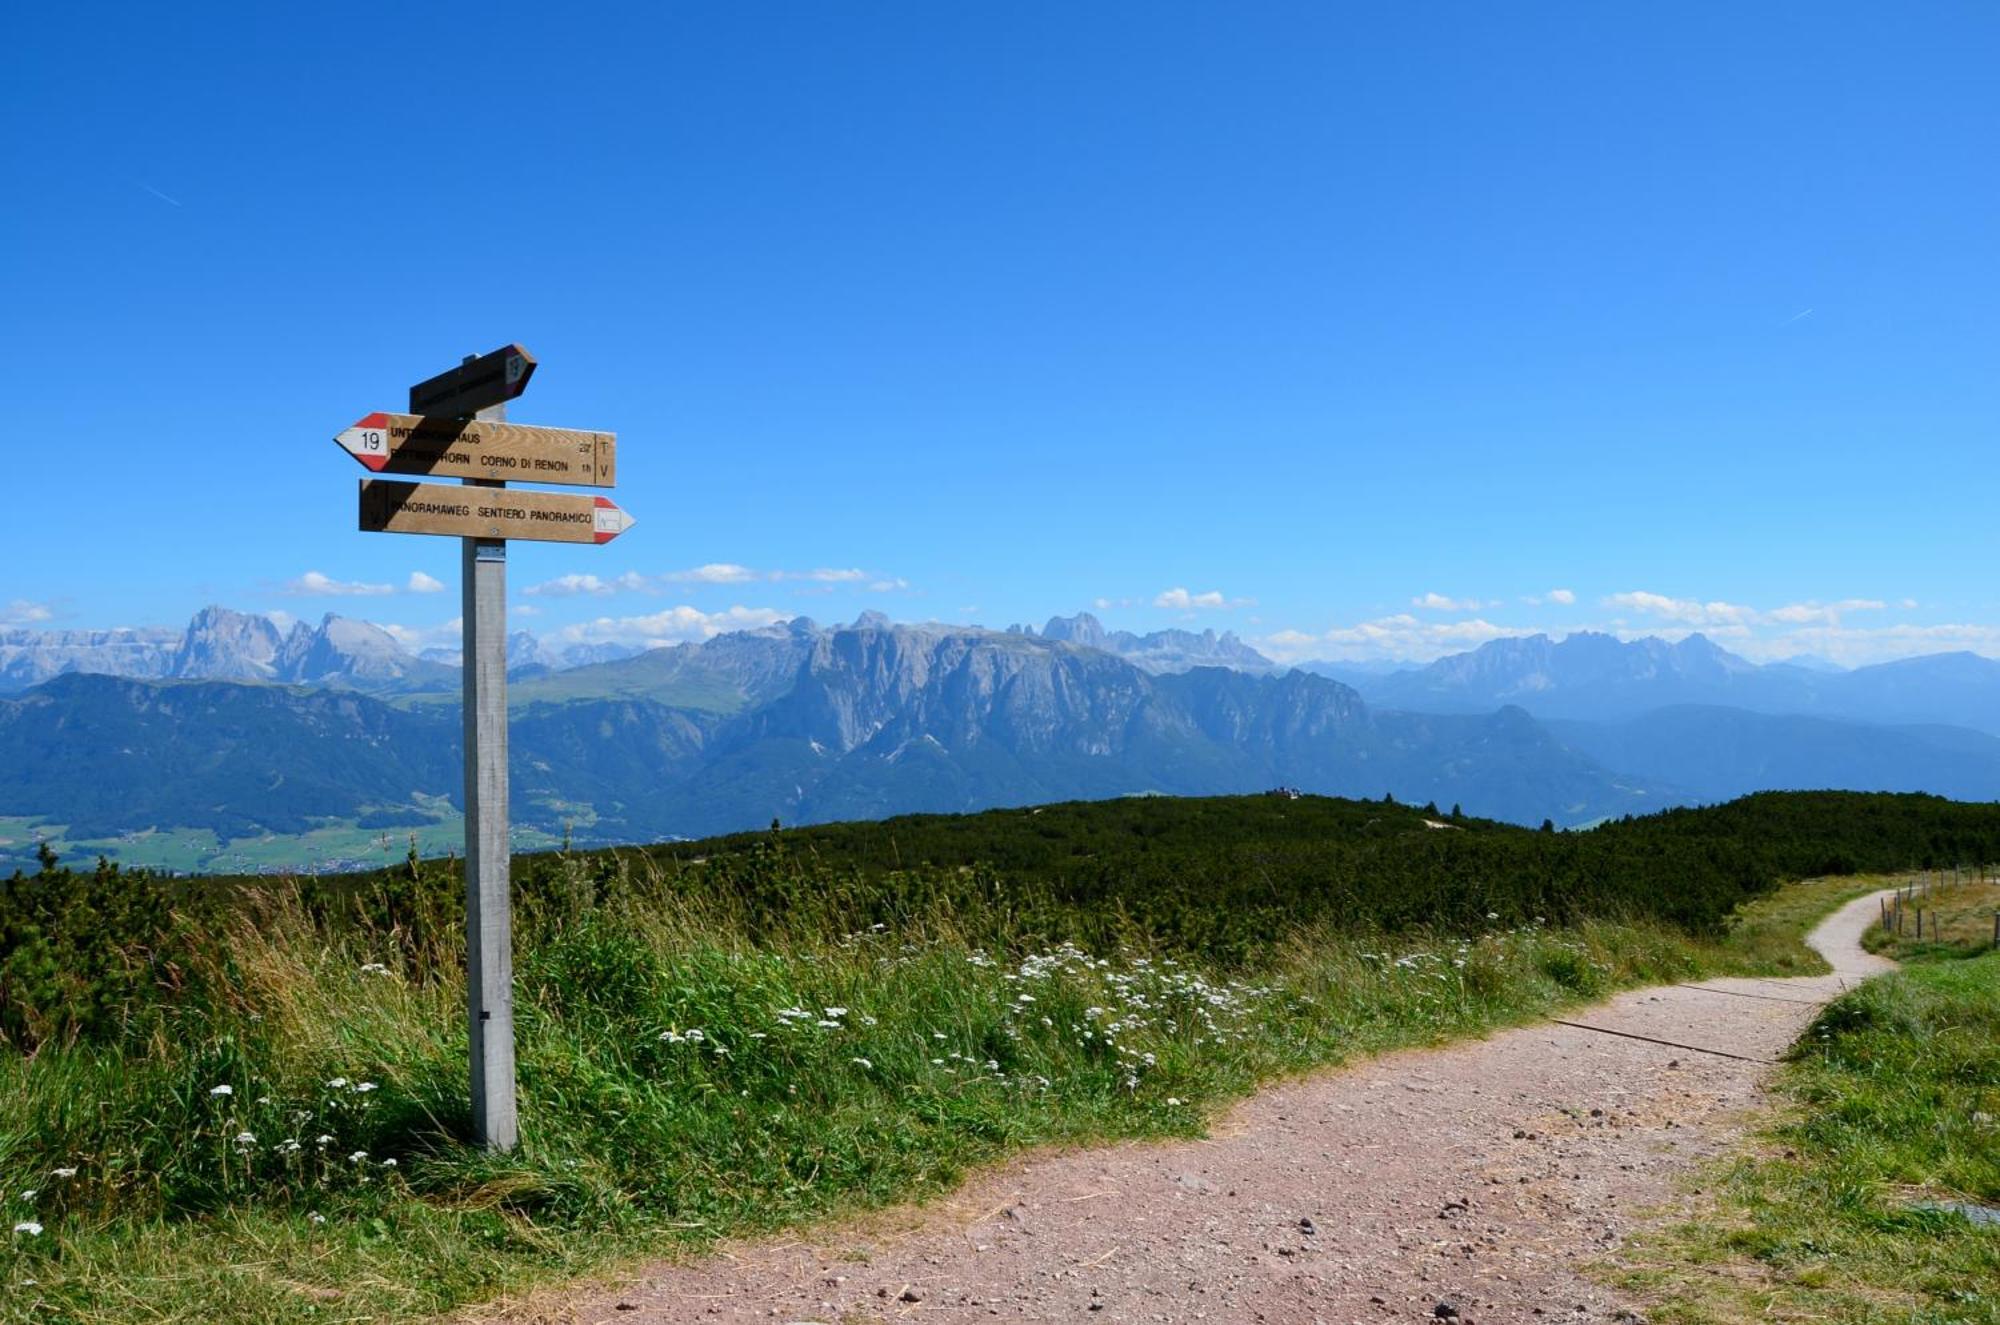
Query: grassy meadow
(244, 1100)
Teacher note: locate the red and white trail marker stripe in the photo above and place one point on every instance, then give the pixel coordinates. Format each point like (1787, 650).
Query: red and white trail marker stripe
(368, 440)
(612, 520)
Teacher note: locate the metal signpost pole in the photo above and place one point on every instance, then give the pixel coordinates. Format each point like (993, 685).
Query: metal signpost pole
(489, 939)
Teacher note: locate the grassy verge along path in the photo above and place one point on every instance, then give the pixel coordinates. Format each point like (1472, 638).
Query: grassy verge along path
(1860, 1204)
(289, 1154)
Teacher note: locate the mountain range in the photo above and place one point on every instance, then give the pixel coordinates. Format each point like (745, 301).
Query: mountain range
(242, 730)
(795, 722)
(1598, 677)
(224, 645)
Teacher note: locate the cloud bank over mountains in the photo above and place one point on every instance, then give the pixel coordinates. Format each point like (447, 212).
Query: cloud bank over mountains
(1444, 624)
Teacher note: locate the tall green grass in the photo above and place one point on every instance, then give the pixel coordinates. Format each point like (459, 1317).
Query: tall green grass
(291, 1143)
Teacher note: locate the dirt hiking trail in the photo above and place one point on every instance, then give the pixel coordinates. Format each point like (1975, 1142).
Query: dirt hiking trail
(1481, 1176)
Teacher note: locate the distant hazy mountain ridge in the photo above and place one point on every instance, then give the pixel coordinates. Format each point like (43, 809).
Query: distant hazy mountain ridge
(808, 723)
(1597, 677)
(1161, 651)
(796, 722)
(224, 645)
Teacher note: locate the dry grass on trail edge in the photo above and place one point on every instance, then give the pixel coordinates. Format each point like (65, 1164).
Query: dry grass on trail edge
(1958, 920)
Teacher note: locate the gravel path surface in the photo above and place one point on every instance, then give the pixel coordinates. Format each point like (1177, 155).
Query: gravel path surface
(1472, 1181)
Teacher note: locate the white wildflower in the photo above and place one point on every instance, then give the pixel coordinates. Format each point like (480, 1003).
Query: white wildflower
(63, 1173)
(862, 1062)
(222, 1090)
(338, 1083)
(29, 1227)
(362, 1088)
(357, 1157)
(246, 1138)
(695, 1035)
(836, 1012)
(315, 1218)
(31, 1193)
(389, 1163)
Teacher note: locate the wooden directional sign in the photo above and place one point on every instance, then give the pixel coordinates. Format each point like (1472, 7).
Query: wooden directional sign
(476, 448)
(391, 507)
(490, 379)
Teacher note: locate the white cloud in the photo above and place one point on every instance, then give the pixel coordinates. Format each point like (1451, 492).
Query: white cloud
(1854, 646)
(315, 585)
(1563, 596)
(422, 583)
(570, 586)
(416, 639)
(21, 612)
(676, 625)
(716, 572)
(1180, 600)
(1708, 616)
(1399, 638)
(1822, 613)
(1685, 611)
(1437, 602)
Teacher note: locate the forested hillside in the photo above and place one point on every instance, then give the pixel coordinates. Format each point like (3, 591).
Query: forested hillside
(1222, 879)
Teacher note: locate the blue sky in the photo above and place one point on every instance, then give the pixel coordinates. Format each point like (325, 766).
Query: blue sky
(1359, 330)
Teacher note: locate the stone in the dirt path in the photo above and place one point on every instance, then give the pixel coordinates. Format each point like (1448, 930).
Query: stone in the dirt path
(1307, 1227)
(1445, 1311)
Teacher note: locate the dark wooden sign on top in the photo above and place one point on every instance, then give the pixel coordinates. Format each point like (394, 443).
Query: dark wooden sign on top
(490, 379)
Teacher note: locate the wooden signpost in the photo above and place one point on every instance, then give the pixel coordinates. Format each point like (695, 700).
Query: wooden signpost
(471, 448)
(457, 428)
(392, 507)
(481, 382)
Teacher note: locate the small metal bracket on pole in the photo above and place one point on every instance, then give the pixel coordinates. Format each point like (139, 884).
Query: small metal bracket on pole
(489, 940)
